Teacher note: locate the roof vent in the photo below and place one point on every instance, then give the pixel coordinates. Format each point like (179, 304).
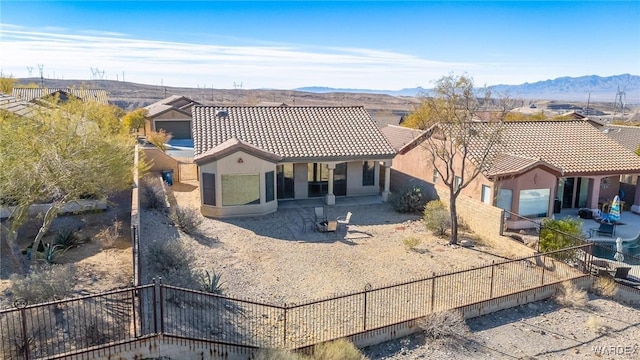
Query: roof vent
(222, 113)
(606, 130)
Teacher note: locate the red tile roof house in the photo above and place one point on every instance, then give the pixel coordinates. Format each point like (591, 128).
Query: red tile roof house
(172, 114)
(250, 157)
(537, 163)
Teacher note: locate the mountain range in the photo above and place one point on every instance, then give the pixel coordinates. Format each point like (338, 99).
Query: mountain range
(583, 88)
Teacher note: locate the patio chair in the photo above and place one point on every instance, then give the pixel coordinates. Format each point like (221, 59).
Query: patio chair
(320, 214)
(607, 229)
(344, 220)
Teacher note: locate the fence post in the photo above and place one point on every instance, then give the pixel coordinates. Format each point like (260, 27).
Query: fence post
(367, 288)
(284, 345)
(21, 304)
(544, 266)
(157, 306)
(493, 263)
(433, 290)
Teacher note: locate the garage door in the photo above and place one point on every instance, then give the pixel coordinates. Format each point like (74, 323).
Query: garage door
(178, 129)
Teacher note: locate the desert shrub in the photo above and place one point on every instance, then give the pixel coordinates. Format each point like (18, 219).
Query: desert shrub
(411, 199)
(447, 327)
(277, 354)
(51, 252)
(570, 296)
(436, 217)
(411, 242)
(153, 192)
(110, 234)
(604, 286)
(597, 325)
(186, 219)
(66, 238)
(44, 283)
(211, 282)
(159, 139)
(172, 261)
(98, 326)
(560, 234)
(338, 349)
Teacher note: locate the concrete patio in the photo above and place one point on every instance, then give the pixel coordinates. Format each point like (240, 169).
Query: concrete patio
(628, 229)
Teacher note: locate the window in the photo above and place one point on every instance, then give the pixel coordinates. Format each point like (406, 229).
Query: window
(534, 203)
(456, 184)
(240, 189)
(209, 189)
(435, 176)
(504, 200)
(268, 186)
(368, 173)
(486, 194)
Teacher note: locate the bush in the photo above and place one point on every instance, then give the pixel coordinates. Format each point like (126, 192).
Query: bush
(338, 349)
(277, 354)
(561, 234)
(172, 261)
(444, 324)
(153, 192)
(604, 286)
(211, 282)
(569, 295)
(437, 218)
(186, 219)
(409, 200)
(159, 139)
(44, 283)
(411, 242)
(66, 238)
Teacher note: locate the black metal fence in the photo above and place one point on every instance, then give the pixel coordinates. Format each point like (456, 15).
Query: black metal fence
(103, 320)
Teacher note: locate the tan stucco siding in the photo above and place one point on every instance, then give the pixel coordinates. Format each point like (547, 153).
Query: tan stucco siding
(238, 163)
(354, 179)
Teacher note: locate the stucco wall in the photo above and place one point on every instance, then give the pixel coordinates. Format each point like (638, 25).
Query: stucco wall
(159, 161)
(536, 178)
(238, 163)
(484, 219)
(354, 179)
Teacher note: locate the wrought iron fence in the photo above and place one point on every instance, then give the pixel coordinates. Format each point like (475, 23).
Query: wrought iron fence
(103, 320)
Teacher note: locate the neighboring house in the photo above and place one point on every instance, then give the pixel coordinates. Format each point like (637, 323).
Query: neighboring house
(629, 137)
(540, 167)
(173, 115)
(249, 157)
(16, 106)
(37, 94)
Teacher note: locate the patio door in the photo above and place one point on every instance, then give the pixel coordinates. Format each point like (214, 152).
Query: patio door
(285, 181)
(340, 180)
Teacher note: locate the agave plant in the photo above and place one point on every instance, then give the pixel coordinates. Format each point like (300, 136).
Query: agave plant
(211, 283)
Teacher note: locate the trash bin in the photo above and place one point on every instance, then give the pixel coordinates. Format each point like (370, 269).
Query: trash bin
(167, 176)
(557, 206)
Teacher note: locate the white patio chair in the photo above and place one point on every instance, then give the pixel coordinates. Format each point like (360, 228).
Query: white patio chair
(344, 220)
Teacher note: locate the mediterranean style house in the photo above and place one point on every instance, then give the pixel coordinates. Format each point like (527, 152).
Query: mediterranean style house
(36, 94)
(250, 157)
(173, 115)
(539, 168)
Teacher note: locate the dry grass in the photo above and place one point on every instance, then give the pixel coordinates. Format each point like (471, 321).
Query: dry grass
(339, 349)
(597, 325)
(110, 235)
(570, 296)
(604, 286)
(411, 242)
(445, 328)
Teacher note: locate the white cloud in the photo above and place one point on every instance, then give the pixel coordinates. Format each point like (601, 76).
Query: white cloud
(71, 56)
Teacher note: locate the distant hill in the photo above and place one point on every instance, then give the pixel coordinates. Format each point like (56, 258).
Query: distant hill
(598, 88)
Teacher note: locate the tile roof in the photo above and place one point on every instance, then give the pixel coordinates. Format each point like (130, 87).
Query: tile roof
(294, 132)
(507, 164)
(576, 147)
(232, 145)
(627, 136)
(403, 138)
(174, 102)
(30, 94)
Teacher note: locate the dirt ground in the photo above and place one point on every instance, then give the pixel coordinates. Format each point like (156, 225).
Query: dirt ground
(103, 258)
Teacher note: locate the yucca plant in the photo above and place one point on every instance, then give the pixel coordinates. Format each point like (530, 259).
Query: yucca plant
(51, 251)
(66, 238)
(211, 282)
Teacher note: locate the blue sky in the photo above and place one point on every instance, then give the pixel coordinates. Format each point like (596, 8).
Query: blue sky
(285, 45)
